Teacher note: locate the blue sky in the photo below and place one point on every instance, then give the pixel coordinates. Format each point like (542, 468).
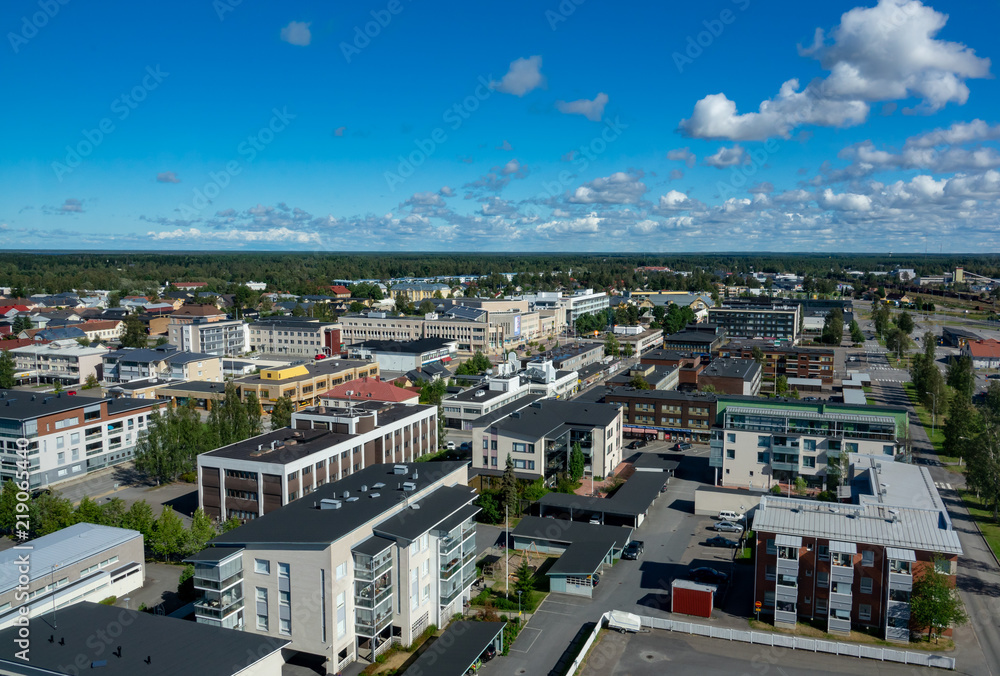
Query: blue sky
(545, 126)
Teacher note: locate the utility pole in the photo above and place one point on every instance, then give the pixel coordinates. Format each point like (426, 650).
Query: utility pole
(506, 548)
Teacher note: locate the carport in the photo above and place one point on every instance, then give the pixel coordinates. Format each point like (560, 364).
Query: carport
(627, 507)
(458, 649)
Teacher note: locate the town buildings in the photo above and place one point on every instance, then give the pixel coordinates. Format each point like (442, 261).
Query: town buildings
(755, 319)
(540, 438)
(731, 376)
(700, 338)
(637, 340)
(788, 361)
(403, 356)
(673, 415)
(853, 565)
(760, 441)
(65, 437)
(985, 354)
(294, 337)
(163, 362)
(302, 383)
(62, 361)
(362, 563)
(368, 389)
(82, 562)
(569, 308)
(204, 328)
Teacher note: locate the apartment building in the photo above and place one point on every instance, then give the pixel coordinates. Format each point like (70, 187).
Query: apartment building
(540, 437)
(791, 362)
(103, 329)
(61, 361)
(364, 563)
(418, 291)
(686, 416)
(302, 383)
(731, 376)
(404, 356)
(251, 478)
(63, 437)
(657, 377)
(574, 356)
(853, 565)
(698, 338)
(638, 339)
(760, 320)
(471, 335)
(203, 328)
(164, 362)
(82, 562)
(757, 442)
(294, 336)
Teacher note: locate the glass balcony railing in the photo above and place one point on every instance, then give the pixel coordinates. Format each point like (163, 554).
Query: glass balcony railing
(216, 585)
(365, 598)
(215, 609)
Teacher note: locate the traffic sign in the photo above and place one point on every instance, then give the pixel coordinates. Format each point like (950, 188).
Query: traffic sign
(757, 606)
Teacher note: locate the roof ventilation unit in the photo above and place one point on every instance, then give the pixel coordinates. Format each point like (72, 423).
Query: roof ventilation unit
(352, 499)
(374, 495)
(409, 486)
(327, 503)
(399, 469)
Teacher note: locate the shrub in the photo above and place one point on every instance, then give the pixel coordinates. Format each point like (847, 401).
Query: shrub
(189, 477)
(110, 601)
(776, 489)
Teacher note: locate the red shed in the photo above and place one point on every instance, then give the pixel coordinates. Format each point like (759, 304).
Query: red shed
(692, 598)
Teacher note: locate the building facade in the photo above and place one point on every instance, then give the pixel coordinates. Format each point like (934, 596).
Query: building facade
(62, 361)
(854, 565)
(294, 337)
(57, 437)
(758, 442)
(205, 334)
(162, 362)
(791, 362)
(685, 416)
(367, 562)
(764, 321)
(302, 383)
(248, 479)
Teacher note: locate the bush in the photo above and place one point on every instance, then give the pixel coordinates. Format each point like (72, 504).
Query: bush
(110, 601)
(189, 477)
(776, 489)
(827, 496)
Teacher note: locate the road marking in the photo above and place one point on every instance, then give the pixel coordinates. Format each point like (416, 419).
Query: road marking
(941, 484)
(538, 632)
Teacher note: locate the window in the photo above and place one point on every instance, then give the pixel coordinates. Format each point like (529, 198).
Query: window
(763, 442)
(771, 549)
(285, 627)
(730, 454)
(839, 559)
(851, 446)
(425, 568)
(824, 553)
(74, 438)
(731, 437)
(809, 445)
(414, 588)
(285, 598)
(60, 457)
(808, 461)
(770, 572)
(888, 449)
(822, 579)
(769, 599)
(284, 570)
(865, 611)
(341, 614)
(867, 557)
(821, 607)
(944, 566)
(262, 566)
(866, 585)
(262, 622)
(807, 601)
(341, 570)
(425, 594)
(763, 458)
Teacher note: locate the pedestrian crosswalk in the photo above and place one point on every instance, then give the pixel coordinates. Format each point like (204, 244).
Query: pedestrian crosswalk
(942, 484)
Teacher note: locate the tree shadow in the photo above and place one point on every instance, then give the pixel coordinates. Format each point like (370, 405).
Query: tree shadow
(572, 649)
(185, 504)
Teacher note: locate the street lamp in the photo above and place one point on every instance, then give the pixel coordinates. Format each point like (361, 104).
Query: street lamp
(127, 599)
(518, 606)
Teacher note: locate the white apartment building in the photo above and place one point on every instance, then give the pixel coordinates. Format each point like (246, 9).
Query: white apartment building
(63, 437)
(582, 302)
(294, 337)
(63, 361)
(760, 441)
(223, 338)
(163, 362)
(363, 563)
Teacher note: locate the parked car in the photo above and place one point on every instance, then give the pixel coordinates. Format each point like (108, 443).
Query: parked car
(596, 578)
(633, 550)
(719, 541)
(682, 446)
(489, 653)
(730, 515)
(465, 446)
(71, 393)
(595, 519)
(728, 527)
(707, 575)
(450, 445)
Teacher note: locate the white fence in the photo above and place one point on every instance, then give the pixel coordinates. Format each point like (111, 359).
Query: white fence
(586, 645)
(795, 643)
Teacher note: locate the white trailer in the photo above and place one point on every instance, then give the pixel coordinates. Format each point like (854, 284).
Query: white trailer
(621, 621)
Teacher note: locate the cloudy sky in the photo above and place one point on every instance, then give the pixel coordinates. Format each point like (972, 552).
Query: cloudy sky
(569, 125)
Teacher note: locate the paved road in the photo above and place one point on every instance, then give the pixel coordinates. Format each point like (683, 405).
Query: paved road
(123, 482)
(978, 573)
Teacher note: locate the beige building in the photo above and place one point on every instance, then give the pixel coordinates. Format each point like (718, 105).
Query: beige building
(361, 564)
(63, 361)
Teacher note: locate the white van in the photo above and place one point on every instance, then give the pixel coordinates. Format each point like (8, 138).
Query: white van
(728, 515)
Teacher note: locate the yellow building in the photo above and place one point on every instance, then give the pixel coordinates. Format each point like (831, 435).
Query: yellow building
(303, 383)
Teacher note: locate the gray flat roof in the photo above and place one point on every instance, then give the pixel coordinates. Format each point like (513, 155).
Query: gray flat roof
(660, 461)
(665, 395)
(172, 646)
(300, 522)
(213, 554)
(855, 397)
(546, 415)
(426, 513)
(746, 369)
(372, 546)
(632, 499)
(289, 445)
(403, 346)
(24, 405)
(456, 650)
(588, 543)
(62, 548)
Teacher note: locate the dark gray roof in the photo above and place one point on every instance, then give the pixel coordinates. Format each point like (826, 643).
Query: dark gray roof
(292, 323)
(213, 554)
(546, 416)
(465, 312)
(403, 346)
(426, 513)
(372, 546)
(61, 333)
(458, 518)
(665, 395)
(588, 543)
(301, 522)
(23, 405)
(633, 498)
(173, 646)
(684, 337)
(746, 369)
(289, 445)
(456, 650)
(201, 386)
(660, 461)
(659, 374)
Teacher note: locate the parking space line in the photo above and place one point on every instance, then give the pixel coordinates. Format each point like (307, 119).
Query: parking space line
(538, 632)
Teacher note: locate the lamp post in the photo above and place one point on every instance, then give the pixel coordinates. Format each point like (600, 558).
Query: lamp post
(519, 606)
(127, 599)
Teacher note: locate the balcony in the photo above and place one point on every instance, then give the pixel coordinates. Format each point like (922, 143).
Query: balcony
(788, 567)
(216, 585)
(215, 609)
(842, 574)
(367, 626)
(786, 617)
(449, 595)
(785, 466)
(448, 570)
(901, 581)
(366, 573)
(786, 592)
(364, 598)
(837, 625)
(840, 602)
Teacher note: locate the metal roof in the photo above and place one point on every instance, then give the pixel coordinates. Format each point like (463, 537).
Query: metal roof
(811, 415)
(373, 546)
(788, 541)
(901, 554)
(843, 547)
(62, 548)
(457, 649)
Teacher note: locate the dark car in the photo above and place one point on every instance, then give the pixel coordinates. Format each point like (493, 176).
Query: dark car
(633, 550)
(682, 446)
(596, 578)
(632, 446)
(465, 446)
(719, 541)
(640, 443)
(488, 654)
(707, 575)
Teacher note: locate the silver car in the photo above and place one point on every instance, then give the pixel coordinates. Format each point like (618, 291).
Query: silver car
(728, 527)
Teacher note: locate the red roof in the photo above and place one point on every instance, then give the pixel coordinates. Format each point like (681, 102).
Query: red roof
(19, 342)
(4, 309)
(983, 349)
(340, 289)
(371, 389)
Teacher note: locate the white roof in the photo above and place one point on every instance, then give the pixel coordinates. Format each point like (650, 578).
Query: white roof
(60, 549)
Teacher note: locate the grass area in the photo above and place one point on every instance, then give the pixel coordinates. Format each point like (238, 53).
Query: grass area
(487, 599)
(807, 630)
(579, 644)
(983, 517)
(935, 433)
(867, 389)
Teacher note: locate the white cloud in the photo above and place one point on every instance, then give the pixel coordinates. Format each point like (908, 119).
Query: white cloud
(339, 131)
(167, 177)
(844, 201)
(957, 134)
(589, 224)
(673, 200)
(683, 155)
(512, 167)
(883, 53)
(523, 76)
(592, 110)
(297, 33)
(727, 157)
(618, 188)
(271, 236)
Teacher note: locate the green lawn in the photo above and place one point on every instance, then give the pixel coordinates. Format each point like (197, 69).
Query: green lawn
(984, 518)
(934, 433)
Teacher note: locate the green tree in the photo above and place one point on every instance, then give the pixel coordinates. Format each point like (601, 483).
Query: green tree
(857, 335)
(961, 377)
(89, 511)
(113, 512)
(508, 489)
(135, 332)
(229, 421)
(639, 383)
(525, 579)
(169, 536)
(173, 440)
(114, 299)
(960, 431)
(934, 601)
(7, 369)
(298, 310)
(627, 350)
(992, 401)
(91, 382)
(232, 523)
(781, 385)
(490, 511)
(253, 413)
(611, 345)
(577, 462)
(757, 354)
(140, 517)
(8, 507)
(426, 307)
(475, 366)
(49, 513)
(202, 530)
(404, 305)
(897, 341)
(905, 322)
(281, 414)
(833, 327)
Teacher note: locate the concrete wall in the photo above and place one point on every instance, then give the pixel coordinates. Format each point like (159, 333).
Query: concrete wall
(710, 503)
